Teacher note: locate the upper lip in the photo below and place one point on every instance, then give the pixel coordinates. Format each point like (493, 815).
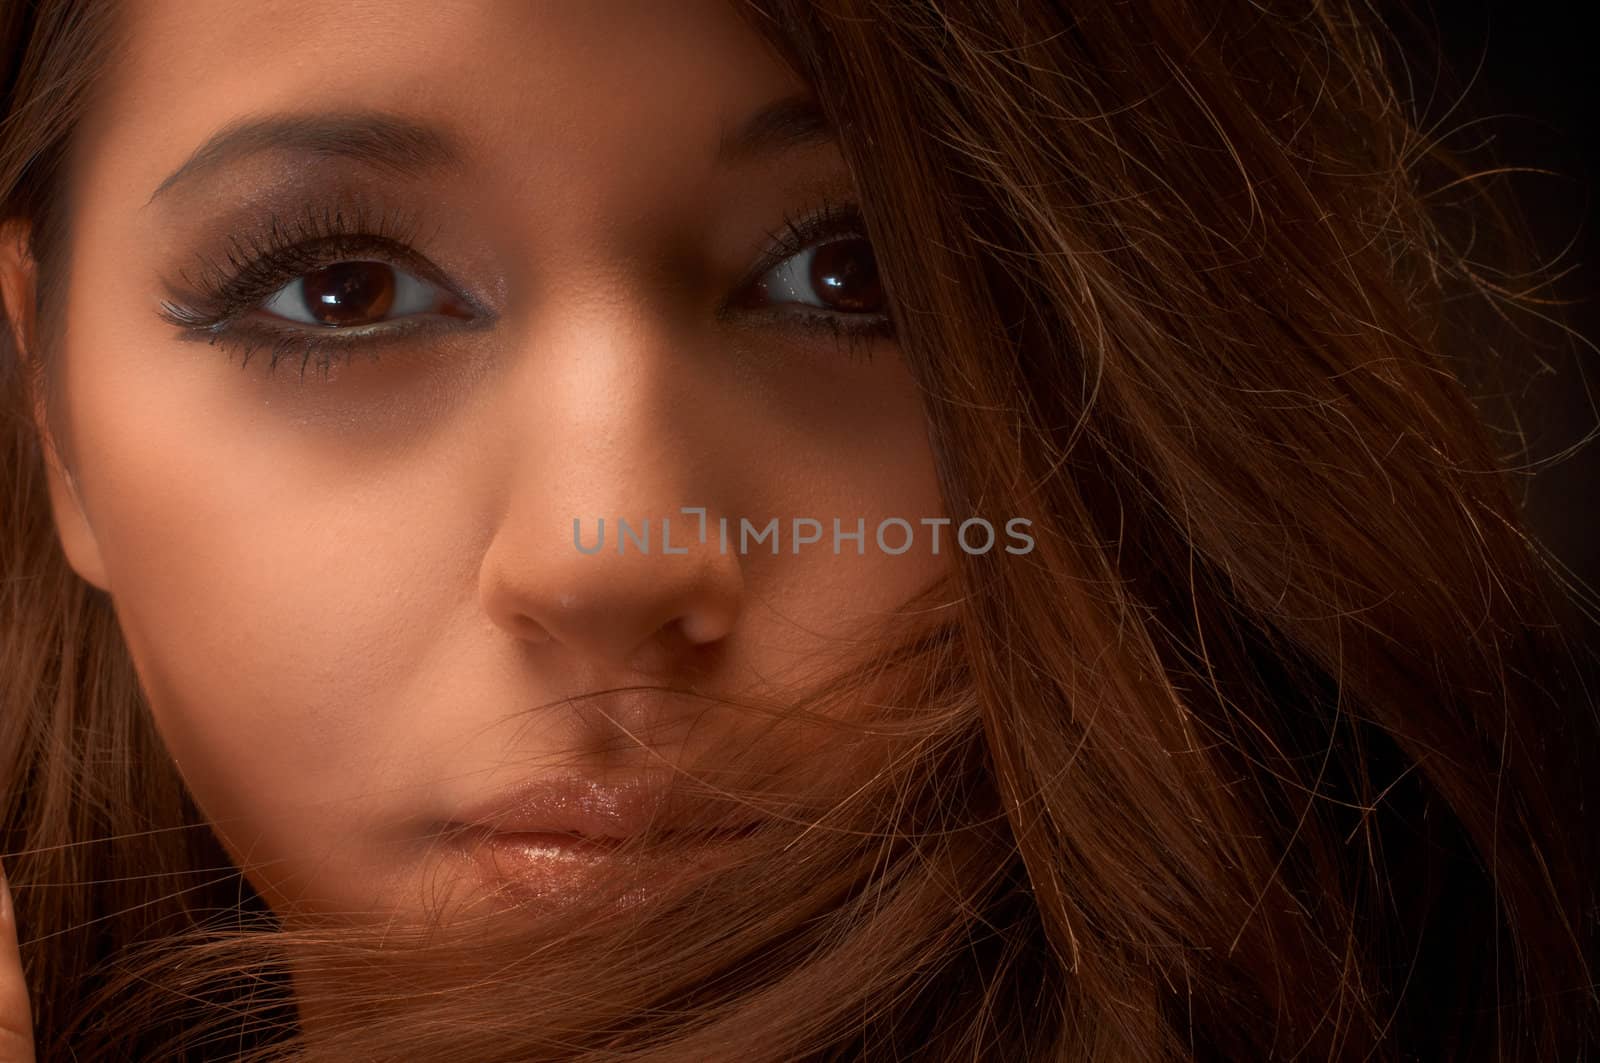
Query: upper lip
(576, 805)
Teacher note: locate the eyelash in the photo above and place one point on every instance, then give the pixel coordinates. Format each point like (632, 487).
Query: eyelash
(830, 222)
(256, 266)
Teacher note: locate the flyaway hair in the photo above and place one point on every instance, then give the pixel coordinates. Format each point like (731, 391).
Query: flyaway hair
(1272, 748)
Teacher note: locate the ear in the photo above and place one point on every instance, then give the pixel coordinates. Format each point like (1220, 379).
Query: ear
(18, 280)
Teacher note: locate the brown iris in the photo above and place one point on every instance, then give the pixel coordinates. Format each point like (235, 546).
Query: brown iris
(845, 276)
(349, 293)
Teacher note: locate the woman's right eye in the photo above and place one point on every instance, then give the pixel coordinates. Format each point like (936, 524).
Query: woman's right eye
(358, 293)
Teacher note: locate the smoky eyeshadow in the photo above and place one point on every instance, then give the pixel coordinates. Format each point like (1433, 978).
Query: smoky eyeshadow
(246, 207)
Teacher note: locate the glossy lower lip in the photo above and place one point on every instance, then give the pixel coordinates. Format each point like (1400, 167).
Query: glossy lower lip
(537, 866)
(552, 870)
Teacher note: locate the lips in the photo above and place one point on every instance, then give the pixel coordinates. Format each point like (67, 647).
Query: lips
(546, 840)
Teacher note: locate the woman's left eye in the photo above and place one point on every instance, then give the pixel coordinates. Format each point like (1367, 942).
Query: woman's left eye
(839, 275)
(355, 293)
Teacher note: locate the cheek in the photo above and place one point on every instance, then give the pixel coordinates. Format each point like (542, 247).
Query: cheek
(268, 600)
(870, 463)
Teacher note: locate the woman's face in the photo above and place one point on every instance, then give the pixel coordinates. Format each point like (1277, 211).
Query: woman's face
(349, 587)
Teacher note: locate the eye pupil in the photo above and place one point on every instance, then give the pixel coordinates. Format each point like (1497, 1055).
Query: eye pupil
(349, 293)
(845, 274)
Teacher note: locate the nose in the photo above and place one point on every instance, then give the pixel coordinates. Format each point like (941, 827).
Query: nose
(596, 433)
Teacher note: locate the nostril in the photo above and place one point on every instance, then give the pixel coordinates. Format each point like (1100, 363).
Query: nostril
(528, 629)
(614, 607)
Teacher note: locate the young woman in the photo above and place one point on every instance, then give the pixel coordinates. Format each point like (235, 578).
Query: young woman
(774, 531)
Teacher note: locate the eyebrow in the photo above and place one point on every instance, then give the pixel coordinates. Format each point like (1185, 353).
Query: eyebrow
(792, 122)
(378, 139)
(399, 144)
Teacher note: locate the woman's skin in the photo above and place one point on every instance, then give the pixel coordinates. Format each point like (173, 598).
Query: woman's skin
(345, 591)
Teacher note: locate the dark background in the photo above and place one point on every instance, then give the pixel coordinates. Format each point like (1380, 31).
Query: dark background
(1524, 74)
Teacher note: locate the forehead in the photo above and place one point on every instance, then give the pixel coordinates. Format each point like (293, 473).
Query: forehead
(615, 86)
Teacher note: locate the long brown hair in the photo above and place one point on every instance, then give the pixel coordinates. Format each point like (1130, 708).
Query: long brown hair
(1271, 748)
